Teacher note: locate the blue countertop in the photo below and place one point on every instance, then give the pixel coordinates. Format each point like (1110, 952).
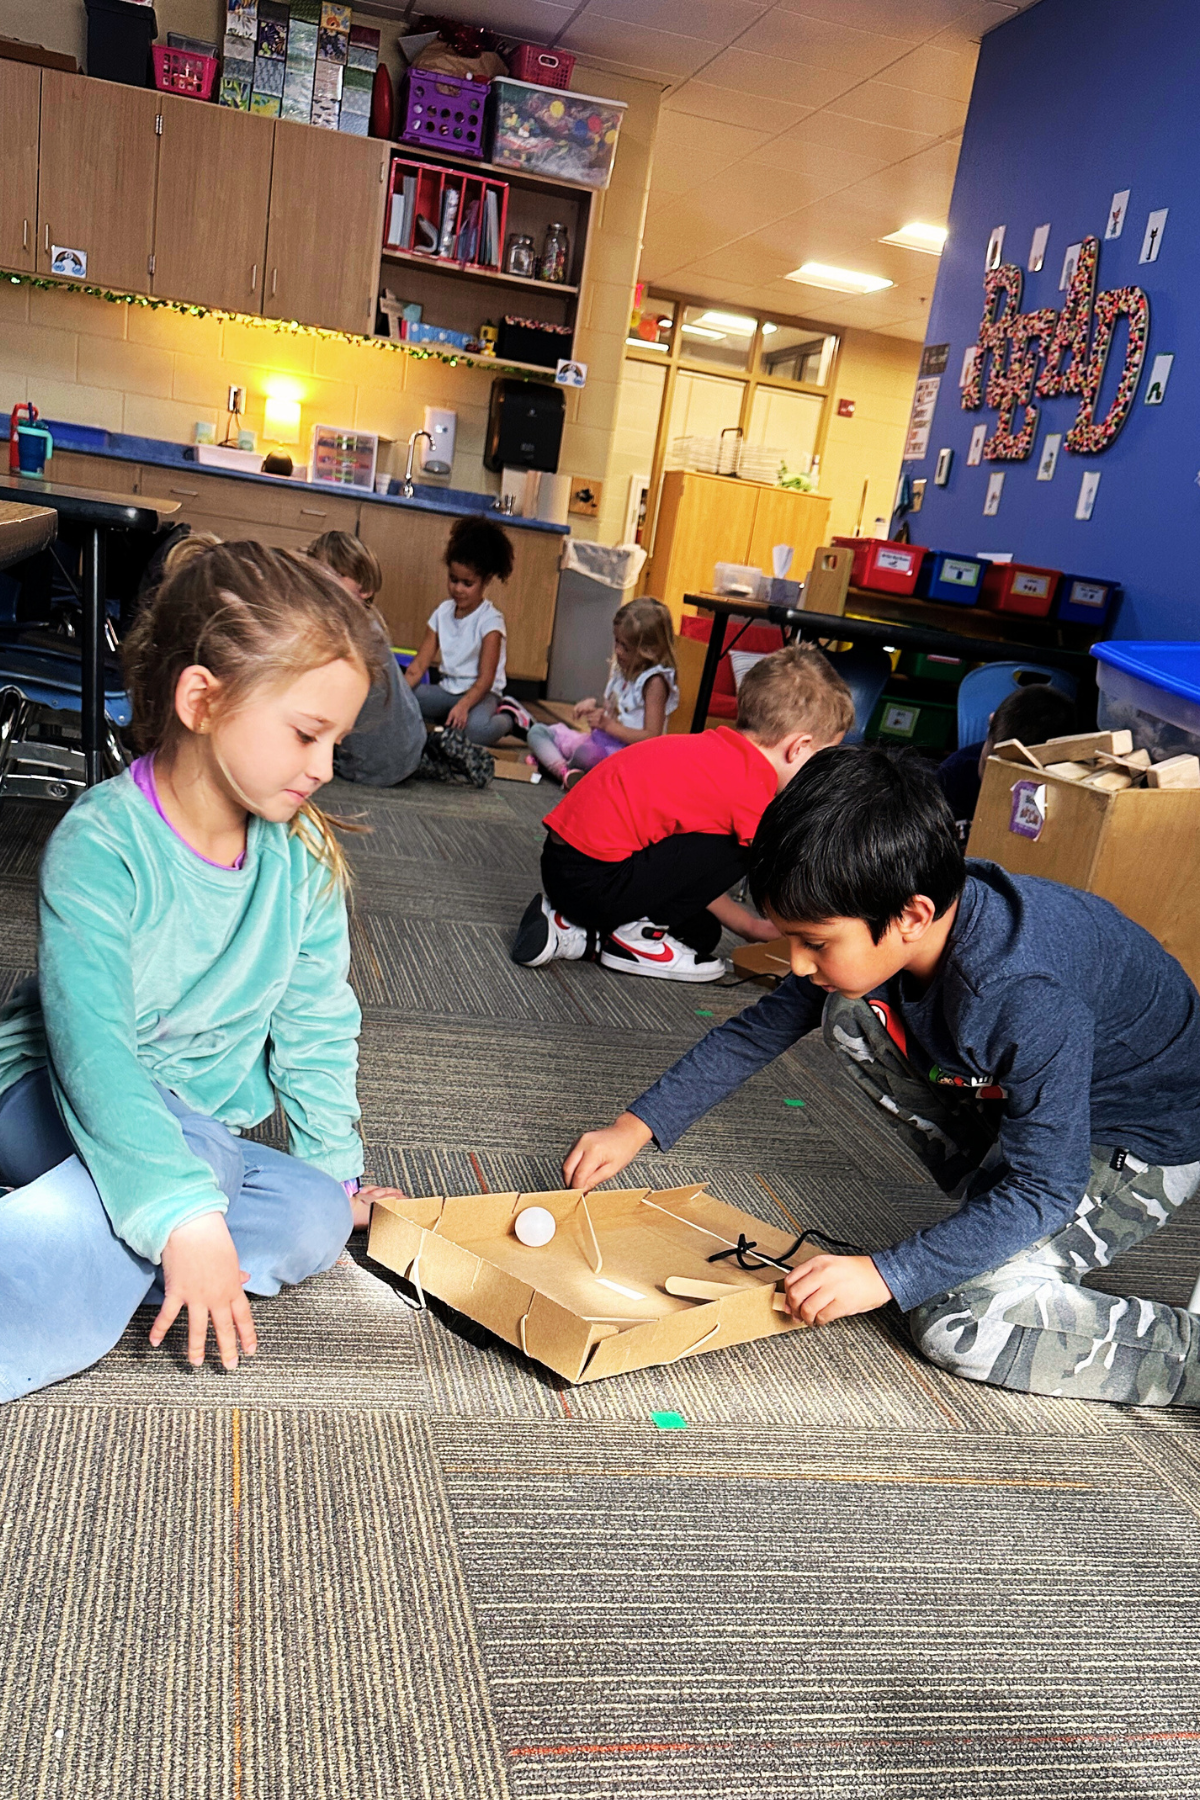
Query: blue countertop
(89, 440)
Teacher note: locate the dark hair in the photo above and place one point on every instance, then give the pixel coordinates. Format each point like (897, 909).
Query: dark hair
(481, 545)
(855, 835)
(1033, 714)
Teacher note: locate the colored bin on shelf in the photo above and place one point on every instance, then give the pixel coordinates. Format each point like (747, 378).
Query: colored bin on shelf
(945, 575)
(444, 112)
(184, 72)
(1020, 588)
(1084, 601)
(927, 665)
(549, 131)
(880, 564)
(544, 68)
(929, 723)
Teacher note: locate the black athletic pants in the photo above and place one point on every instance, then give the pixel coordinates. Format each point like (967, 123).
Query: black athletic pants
(670, 882)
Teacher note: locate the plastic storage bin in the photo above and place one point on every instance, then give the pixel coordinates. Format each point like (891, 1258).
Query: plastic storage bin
(1084, 601)
(532, 341)
(929, 723)
(184, 72)
(544, 68)
(1020, 588)
(1153, 690)
(947, 576)
(546, 131)
(887, 567)
(119, 37)
(925, 665)
(445, 112)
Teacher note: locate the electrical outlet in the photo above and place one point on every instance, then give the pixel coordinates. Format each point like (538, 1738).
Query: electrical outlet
(236, 402)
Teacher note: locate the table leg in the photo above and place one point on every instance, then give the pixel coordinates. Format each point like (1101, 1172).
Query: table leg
(92, 671)
(708, 674)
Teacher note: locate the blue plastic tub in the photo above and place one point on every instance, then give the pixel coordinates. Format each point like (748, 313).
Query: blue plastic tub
(1082, 600)
(947, 576)
(1153, 690)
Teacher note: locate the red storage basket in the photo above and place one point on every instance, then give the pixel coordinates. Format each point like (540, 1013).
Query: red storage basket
(544, 68)
(1020, 588)
(887, 567)
(184, 72)
(444, 112)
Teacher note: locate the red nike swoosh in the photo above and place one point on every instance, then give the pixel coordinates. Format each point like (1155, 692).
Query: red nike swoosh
(664, 953)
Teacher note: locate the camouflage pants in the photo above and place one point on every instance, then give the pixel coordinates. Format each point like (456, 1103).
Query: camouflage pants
(1028, 1324)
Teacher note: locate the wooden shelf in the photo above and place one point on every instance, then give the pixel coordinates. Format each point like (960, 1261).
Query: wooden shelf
(502, 364)
(470, 165)
(446, 265)
(968, 621)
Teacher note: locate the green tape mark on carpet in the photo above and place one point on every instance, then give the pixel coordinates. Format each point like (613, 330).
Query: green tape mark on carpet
(704, 1012)
(669, 1421)
(793, 1103)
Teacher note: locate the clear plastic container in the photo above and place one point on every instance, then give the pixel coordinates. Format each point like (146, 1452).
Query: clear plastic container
(1153, 690)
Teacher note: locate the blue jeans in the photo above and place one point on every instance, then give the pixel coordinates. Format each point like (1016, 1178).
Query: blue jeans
(69, 1285)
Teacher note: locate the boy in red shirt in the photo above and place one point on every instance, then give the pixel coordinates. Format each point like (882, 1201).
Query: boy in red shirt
(642, 852)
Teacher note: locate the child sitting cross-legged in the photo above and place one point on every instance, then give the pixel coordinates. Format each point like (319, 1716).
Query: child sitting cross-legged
(193, 961)
(640, 856)
(641, 693)
(465, 637)
(1038, 1051)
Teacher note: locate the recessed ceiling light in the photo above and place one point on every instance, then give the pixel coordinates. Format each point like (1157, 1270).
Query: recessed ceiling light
(929, 239)
(702, 331)
(841, 281)
(734, 322)
(768, 329)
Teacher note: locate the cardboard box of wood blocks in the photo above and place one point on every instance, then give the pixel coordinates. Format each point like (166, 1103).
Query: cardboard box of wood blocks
(624, 1283)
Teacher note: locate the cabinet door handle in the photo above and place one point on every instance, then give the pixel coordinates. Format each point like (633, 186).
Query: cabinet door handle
(312, 512)
(185, 493)
(25, 235)
(47, 237)
(274, 279)
(254, 279)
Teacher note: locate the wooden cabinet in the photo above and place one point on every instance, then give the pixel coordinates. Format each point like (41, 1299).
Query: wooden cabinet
(411, 547)
(20, 100)
(325, 228)
(99, 154)
(73, 469)
(210, 220)
(707, 519)
(284, 517)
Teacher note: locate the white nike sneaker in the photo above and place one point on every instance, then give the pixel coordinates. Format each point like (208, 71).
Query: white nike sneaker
(544, 934)
(644, 948)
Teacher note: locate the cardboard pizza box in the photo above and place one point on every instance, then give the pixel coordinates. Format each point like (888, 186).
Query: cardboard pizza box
(593, 1301)
(765, 963)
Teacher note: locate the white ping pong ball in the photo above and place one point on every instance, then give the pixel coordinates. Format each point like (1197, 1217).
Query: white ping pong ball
(534, 1226)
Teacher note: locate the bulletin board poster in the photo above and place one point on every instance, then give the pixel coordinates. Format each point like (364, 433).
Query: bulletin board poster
(920, 423)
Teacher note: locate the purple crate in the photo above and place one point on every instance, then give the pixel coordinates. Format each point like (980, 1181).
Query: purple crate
(443, 112)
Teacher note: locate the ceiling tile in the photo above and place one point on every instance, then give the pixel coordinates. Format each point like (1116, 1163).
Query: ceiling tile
(715, 21)
(914, 20)
(664, 54)
(812, 156)
(776, 79)
(879, 103)
(974, 20)
(929, 70)
(727, 107)
(712, 146)
(823, 44)
(538, 20)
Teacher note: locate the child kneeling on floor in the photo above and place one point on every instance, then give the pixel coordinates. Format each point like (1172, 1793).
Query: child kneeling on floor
(641, 855)
(465, 637)
(641, 694)
(1038, 1051)
(193, 961)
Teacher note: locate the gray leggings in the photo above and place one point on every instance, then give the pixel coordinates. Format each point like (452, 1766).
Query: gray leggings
(484, 724)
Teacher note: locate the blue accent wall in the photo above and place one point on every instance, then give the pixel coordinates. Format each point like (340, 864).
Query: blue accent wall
(1073, 101)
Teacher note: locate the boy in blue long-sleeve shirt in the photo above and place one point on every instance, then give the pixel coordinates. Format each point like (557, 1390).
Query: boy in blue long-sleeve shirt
(1035, 1048)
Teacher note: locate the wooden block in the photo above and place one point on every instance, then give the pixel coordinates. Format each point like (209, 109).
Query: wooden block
(1013, 750)
(1110, 781)
(1175, 772)
(1079, 745)
(828, 581)
(1069, 771)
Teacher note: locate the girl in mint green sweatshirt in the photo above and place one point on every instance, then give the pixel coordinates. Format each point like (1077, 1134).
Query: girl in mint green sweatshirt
(193, 968)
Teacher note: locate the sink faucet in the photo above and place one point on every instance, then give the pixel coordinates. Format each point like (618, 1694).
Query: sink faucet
(408, 490)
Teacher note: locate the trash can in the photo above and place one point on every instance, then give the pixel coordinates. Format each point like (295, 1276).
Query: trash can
(594, 580)
(119, 36)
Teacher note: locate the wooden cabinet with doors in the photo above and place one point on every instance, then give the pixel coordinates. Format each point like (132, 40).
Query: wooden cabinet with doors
(707, 519)
(411, 547)
(286, 517)
(210, 220)
(20, 101)
(325, 228)
(96, 176)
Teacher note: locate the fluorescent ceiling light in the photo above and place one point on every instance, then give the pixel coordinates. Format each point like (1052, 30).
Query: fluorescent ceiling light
(702, 331)
(734, 322)
(841, 281)
(929, 239)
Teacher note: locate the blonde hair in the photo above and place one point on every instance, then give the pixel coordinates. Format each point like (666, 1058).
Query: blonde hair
(350, 558)
(795, 689)
(644, 628)
(250, 615)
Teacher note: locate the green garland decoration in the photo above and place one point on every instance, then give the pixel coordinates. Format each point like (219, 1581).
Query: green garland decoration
(291, 327)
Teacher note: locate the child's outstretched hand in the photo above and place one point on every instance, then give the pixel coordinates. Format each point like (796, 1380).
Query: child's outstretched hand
(599, 1155)
(835, 1287)
(458, 715)
(200, 1271)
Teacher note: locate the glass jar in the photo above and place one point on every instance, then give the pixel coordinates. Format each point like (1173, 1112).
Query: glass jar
(521, 258)
(555, 249)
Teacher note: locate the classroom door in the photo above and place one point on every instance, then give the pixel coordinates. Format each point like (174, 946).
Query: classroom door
(210, 222)
(20, 101)
(325, 229)
(99, 157)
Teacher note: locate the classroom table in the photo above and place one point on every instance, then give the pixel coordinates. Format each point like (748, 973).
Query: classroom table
(98, 514)
(902, 625)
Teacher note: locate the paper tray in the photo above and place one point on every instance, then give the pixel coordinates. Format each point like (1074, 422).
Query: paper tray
(552, 1303)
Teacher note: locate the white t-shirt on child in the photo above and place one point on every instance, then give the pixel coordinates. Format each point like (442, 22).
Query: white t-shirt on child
(459, 643)
(628, 698)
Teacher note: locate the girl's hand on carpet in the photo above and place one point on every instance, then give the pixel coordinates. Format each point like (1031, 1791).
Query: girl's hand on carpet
(599, 1155)
(835, 1287)
(200, 1271)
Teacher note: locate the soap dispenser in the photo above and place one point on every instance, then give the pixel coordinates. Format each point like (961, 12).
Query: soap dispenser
(438, 454)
